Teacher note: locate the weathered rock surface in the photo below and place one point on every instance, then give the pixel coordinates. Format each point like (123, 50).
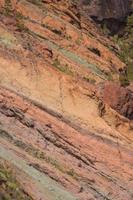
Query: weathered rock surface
(110, 12)
(120, 99)
(99, 167)
(107, 9)
(54, 116)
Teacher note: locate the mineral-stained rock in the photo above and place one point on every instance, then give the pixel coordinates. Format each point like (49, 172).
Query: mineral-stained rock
(120, 99)
(55, 131)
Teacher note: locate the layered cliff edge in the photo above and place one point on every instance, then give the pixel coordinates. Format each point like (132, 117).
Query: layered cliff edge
(66, 129)
(110, 12)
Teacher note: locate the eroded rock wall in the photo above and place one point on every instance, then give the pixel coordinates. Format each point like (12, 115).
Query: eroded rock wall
(106, 9)
(112, 12)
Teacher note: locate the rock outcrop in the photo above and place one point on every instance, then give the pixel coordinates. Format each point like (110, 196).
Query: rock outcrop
(120, 99)
(113, 13)
(61, 132)
(107, 9)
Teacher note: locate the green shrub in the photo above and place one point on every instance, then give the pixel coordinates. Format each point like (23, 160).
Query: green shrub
(9, 187)
(123, 80)
(64, 68)
(90, 80)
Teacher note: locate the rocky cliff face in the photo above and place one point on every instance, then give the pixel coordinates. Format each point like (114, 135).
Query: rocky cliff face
(65, 130)
(107, 9)
(120, 99)
(112, 12)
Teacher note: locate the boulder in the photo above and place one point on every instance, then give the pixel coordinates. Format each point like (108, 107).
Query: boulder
(119, 98)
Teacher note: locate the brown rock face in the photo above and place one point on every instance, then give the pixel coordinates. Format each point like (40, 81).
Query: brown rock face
(120, 99)
(112, 12)
(62, 141)
(106, 9)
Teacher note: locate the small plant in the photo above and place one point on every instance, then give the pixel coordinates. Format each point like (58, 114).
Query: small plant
(72, 173)
(105, 29)
(63, 69)
(7, 11)
(9, 187)
(56, 63)
(68, 37)
(125, 43)
(123, 80)
(19, 22)
(21, 27)
(89, 80)
(78, 42)
(110, 77)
